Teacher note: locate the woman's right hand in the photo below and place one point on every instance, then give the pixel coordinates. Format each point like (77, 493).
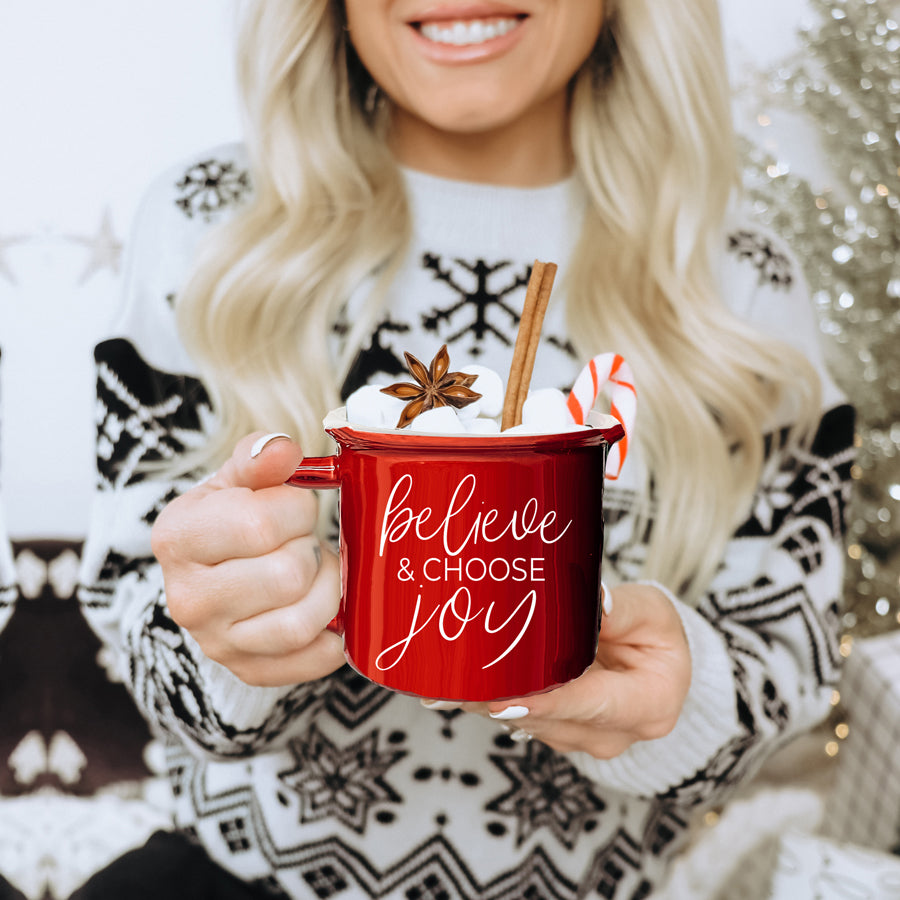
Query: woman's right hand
(244, 572)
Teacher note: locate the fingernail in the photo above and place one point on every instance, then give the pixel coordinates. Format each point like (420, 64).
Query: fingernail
(264, 442)
(521, 737)
(439, 705)
(606, 594)
(511, 712)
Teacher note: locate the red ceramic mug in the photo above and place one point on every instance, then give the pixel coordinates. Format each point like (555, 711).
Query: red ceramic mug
(470, 565)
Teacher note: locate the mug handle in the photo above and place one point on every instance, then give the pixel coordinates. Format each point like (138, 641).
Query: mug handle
(320, 472)
(317, 472)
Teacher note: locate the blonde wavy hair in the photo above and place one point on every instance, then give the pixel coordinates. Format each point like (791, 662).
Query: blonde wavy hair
(650, 125)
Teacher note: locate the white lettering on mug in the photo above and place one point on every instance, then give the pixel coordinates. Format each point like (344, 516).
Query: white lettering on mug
(403, 643)
(498, 569)
(398, 519)
(396, 529)
(464, 619)
(402, 523)
(458, 615)
(532, 596)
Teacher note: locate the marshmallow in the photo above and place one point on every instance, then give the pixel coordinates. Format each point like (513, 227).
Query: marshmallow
(600, 420)
(539, 429)
(546, 409)
(482, 426)
(442, 420)
(490, 386)
(367, 406)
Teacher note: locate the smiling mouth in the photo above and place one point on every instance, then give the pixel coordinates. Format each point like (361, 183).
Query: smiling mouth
(463, 33)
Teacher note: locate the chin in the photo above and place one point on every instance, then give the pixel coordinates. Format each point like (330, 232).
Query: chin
(470, 117)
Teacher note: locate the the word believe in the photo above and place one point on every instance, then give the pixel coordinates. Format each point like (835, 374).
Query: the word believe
(399, 518)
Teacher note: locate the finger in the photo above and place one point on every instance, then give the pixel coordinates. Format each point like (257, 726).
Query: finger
(233, 523)
(295, 625)
(441, 705)
(255, 585)
(219, 517)
(574, 737)
(317, 660)
(622, 619)
(643, 704)
(585, 699)
(207, 599)
(274, 462)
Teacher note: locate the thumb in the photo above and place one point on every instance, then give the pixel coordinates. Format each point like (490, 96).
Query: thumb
(641, 614)
(259, 461)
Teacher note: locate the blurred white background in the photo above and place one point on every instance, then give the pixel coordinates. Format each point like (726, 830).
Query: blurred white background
(96, 97)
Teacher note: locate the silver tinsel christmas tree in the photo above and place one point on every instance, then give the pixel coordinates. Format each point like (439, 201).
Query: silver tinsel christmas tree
(846, 82)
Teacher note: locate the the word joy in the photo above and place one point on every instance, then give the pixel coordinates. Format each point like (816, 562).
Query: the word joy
(455, 617)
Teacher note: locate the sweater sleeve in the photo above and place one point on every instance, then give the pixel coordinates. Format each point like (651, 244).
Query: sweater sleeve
(764, 638)
(150, 408)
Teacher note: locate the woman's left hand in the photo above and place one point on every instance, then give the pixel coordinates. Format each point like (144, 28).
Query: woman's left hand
(633, 691)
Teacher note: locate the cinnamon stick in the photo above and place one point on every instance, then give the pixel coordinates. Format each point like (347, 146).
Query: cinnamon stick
(537, 296)
(537, 324)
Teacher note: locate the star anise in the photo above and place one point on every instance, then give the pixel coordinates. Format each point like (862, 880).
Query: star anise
(434, 387)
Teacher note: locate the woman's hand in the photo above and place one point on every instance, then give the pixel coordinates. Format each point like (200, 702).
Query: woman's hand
(244, 572)
(634, 690)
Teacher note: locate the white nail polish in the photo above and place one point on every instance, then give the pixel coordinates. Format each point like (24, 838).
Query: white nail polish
(606, 594)
(511, 712)
(264, 442)
(520, 736)
(440, 705)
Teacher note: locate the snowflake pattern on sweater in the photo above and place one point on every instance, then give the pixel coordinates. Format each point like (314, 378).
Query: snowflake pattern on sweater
(342, 789)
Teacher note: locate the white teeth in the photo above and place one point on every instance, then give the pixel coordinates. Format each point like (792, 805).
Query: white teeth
(463, 33)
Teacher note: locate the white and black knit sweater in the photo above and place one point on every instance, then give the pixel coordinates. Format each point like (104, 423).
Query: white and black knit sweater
(342, 789)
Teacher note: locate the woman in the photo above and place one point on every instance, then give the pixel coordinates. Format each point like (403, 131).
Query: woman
(408, 160)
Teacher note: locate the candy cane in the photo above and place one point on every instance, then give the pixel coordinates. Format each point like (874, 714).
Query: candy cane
(610, 373)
